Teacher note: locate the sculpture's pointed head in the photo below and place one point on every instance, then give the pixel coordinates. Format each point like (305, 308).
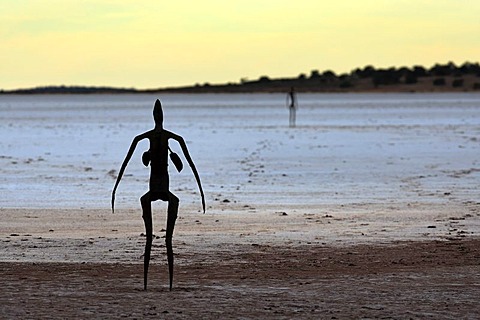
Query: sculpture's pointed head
(158, 113)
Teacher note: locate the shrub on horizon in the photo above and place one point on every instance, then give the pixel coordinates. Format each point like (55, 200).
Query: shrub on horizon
(411, 78)
(439, 82)
(457, 83)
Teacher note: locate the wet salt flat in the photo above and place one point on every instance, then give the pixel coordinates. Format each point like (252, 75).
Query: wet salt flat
(64, 151)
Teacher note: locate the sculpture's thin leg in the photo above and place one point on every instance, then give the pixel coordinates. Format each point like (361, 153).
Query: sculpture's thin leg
(147, 218)
(171, 218)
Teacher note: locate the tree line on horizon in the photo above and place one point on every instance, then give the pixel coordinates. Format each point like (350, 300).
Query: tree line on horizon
(359, 78)
(383, 76)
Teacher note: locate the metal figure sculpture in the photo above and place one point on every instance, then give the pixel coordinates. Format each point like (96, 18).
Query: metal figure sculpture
(157, 157)
(292, 106)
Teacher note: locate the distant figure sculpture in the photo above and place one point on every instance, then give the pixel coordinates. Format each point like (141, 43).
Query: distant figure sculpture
(157, 157)
(292, 106)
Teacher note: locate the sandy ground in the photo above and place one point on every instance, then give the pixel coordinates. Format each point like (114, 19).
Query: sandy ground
(337, 262)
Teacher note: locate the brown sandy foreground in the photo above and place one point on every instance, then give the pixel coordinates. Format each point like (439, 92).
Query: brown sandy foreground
(334, 263)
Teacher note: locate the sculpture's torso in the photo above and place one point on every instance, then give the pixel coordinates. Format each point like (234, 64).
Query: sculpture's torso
(159, 161)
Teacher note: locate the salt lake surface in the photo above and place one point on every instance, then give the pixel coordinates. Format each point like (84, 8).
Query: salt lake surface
(63, 151)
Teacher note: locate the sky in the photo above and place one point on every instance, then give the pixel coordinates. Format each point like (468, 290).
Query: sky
(156, 43)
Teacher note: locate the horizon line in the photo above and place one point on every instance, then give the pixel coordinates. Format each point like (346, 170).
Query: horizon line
(242, 81)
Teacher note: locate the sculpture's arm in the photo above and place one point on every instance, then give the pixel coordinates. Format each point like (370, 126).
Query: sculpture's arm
(124, 166)
(183, 145)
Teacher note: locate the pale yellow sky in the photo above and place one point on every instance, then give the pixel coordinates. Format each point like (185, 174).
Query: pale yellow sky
(154, 43)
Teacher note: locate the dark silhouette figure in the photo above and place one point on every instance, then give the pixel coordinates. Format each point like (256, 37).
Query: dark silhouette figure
(157, 157)
(292, 106)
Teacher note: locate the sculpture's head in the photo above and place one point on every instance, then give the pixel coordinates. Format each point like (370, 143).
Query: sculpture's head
(158, 114)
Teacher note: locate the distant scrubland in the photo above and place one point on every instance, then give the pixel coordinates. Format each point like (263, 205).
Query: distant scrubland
(438, 78)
